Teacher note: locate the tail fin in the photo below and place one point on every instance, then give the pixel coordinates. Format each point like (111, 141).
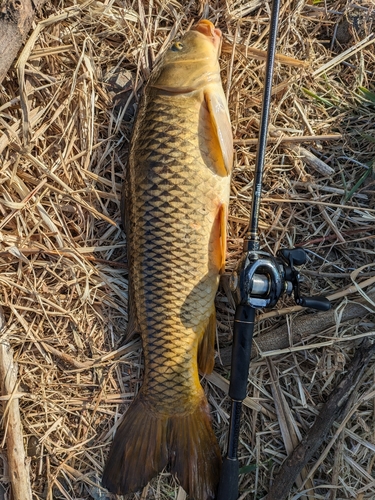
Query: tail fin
(146, 443)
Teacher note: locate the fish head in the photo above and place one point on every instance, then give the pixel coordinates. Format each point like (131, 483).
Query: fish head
(191, 62)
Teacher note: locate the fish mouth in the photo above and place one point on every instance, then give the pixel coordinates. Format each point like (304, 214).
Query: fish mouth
(208, 29)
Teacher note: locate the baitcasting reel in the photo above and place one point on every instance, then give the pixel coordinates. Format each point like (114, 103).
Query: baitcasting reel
(261, 279)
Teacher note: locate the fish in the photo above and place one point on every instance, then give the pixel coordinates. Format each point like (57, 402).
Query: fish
(175, 206)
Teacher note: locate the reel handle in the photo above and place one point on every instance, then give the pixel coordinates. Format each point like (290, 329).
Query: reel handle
(318, 303)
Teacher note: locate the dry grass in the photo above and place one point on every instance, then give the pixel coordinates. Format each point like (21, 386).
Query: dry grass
(66, 115)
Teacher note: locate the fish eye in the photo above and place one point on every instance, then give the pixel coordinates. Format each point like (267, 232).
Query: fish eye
(177, 46)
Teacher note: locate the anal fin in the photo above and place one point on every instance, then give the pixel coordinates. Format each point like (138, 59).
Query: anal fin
(206, 349)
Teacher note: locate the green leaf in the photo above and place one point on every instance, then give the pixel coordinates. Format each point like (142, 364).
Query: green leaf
(358, 184)
(370, 138)
(367, 94)
(247, 468)
(324, 101)
(251, 467)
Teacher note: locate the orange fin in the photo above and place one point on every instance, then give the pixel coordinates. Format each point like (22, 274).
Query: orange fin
(221, 127)
(218, 239)
(145, 443)
(206, 349)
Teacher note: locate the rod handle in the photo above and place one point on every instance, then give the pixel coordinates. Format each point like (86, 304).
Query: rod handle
(243, 329)
(228, 486)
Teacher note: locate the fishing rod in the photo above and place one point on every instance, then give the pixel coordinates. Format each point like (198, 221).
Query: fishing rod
(259, 281)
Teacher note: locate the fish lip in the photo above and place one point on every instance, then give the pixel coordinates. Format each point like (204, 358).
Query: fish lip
(208, 29)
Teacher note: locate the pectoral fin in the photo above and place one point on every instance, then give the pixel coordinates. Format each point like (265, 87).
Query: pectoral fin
(221, 129)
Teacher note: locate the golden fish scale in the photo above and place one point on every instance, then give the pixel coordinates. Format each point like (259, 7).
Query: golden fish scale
(172, 199)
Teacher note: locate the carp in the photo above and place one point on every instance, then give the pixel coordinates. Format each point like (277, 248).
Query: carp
(176, 197)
